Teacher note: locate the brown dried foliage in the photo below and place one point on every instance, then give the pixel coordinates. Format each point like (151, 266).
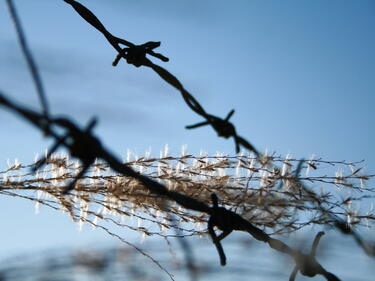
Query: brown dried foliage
(273, 199)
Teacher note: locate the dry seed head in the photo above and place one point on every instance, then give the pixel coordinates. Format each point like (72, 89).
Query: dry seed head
(242, 183)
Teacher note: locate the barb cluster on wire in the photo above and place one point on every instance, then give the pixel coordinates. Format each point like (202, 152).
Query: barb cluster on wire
(83, 145)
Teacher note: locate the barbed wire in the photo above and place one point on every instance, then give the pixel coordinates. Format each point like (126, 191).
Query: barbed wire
(136, 55)
(84, 146)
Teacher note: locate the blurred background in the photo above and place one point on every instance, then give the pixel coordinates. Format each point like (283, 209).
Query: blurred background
(298, 73)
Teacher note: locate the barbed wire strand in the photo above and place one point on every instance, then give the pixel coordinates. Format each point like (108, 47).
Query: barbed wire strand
(82, 145)
(136, 55)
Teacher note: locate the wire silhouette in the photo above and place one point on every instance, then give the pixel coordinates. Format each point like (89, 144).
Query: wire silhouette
(136, 55)
(135, 51)
(307, 264)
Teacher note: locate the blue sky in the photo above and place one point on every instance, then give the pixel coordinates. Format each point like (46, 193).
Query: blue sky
(300, 75)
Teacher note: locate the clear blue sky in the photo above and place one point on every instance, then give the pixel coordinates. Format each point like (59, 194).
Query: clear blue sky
(300, 75)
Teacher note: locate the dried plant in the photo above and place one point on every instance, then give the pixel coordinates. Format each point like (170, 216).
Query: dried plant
(274, 199)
